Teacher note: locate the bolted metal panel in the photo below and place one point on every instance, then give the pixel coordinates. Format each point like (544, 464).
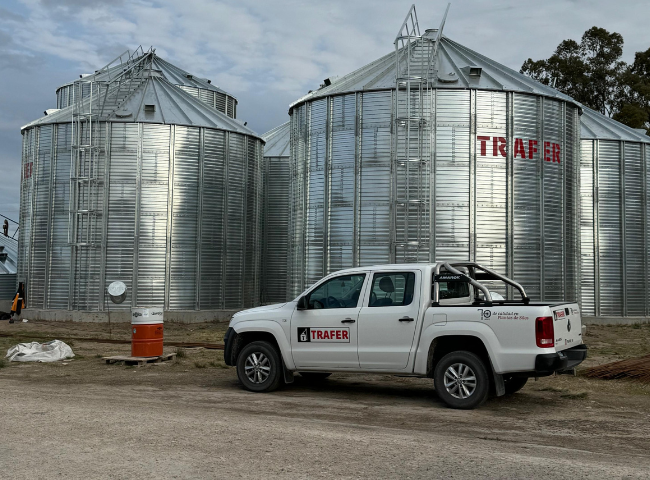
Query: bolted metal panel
(374, 185)
(316, 175)
(253, 225)
(527, 233)
(507, 206)
(587, 218)
(152, 218)
(609, 228)
(341, 180)
(120, 246)
(212, 220)
(40, 221)
(276, 205)
(553, 206)
(491, 181)
(452, 180)
(58, 290)
(297, 200)
(570, 160)
(235, 220)
(633, 233)
(184, 222)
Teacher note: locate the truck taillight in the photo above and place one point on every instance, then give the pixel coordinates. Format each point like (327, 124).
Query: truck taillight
(544, 333)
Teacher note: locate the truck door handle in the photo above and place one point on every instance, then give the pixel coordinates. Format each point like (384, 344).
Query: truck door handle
(348, 320)
(406, 319)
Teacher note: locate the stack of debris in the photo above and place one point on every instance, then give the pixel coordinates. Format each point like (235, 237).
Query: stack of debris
(633, 368)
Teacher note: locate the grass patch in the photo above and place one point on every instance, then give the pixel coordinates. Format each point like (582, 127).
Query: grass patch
(181, 353)
(3, 364)
(575, 396)
(200, 365)
(552, 389)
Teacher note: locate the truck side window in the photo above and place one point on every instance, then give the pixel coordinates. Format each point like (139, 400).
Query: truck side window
(392, 289)
(338, 292)
(453, 290)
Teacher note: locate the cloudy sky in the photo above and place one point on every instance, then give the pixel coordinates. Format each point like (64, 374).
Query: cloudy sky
(266, 53)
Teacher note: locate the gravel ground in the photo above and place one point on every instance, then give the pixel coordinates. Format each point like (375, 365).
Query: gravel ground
(191, 419)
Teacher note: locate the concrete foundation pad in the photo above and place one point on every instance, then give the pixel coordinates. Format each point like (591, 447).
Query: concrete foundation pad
(124, 316)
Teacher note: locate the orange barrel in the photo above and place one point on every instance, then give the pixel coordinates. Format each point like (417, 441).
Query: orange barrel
(146, 332)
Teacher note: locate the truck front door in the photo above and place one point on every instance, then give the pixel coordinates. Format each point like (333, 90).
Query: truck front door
(387, 320)
(325, 334)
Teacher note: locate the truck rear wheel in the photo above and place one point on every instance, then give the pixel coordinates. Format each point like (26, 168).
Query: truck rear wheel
(461, 380)
(259, 367)
(514, 384)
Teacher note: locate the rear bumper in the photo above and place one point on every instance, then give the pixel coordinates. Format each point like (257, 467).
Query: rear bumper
(549, 363)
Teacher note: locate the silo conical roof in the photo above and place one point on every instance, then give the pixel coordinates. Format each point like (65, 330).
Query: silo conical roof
(277, 141)
(171, 72)
(154, 99)
(595, 125)
(458, 68)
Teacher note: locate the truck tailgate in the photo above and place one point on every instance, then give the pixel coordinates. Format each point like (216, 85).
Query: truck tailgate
(567, 325)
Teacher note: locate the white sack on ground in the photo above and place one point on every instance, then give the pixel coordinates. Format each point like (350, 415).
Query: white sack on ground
(40, 352)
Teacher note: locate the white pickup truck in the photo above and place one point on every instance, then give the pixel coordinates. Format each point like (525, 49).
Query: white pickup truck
(436, 321)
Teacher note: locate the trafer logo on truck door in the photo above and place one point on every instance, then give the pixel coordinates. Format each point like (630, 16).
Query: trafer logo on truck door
(324, 334)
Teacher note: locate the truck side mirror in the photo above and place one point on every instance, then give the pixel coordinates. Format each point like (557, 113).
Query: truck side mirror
(302, 303)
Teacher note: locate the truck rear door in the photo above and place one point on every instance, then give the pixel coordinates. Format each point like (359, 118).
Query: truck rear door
(567, 325)
(388, 319)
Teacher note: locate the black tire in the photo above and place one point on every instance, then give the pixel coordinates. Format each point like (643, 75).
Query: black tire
(514, 384)
(271, 378)
(314, 376)
(454, 393)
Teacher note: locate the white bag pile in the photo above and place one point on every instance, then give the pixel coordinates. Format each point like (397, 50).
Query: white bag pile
(40, 352)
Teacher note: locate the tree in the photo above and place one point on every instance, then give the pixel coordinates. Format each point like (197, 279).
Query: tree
(589, 71)
(633, 98)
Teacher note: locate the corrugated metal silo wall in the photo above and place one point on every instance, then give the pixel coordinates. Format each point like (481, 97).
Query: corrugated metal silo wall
(8, 286)
(510, 209)
(181, 212)
(222, 102)
(614, 221)
(276, 229)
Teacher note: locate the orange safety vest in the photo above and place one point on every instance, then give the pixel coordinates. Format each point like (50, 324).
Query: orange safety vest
(14, 306)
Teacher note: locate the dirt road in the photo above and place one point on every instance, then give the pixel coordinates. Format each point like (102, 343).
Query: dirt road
(190, 419)
(350, 431)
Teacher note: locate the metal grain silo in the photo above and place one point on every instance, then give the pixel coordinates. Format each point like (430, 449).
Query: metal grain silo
(200, 88)
(150, 187)
(436, 152)
(276, 211)
(614, 218)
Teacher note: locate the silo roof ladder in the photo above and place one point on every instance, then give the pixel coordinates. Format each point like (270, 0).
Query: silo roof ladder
(416, 74)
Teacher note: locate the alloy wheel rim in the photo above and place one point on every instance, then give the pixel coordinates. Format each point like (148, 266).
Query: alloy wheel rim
(460, 381)
(257, 367)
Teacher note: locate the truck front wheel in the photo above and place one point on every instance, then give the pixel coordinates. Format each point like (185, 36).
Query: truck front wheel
(461, 380)
(259, 367)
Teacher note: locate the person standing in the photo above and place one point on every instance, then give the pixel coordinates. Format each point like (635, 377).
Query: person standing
(18, 303)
